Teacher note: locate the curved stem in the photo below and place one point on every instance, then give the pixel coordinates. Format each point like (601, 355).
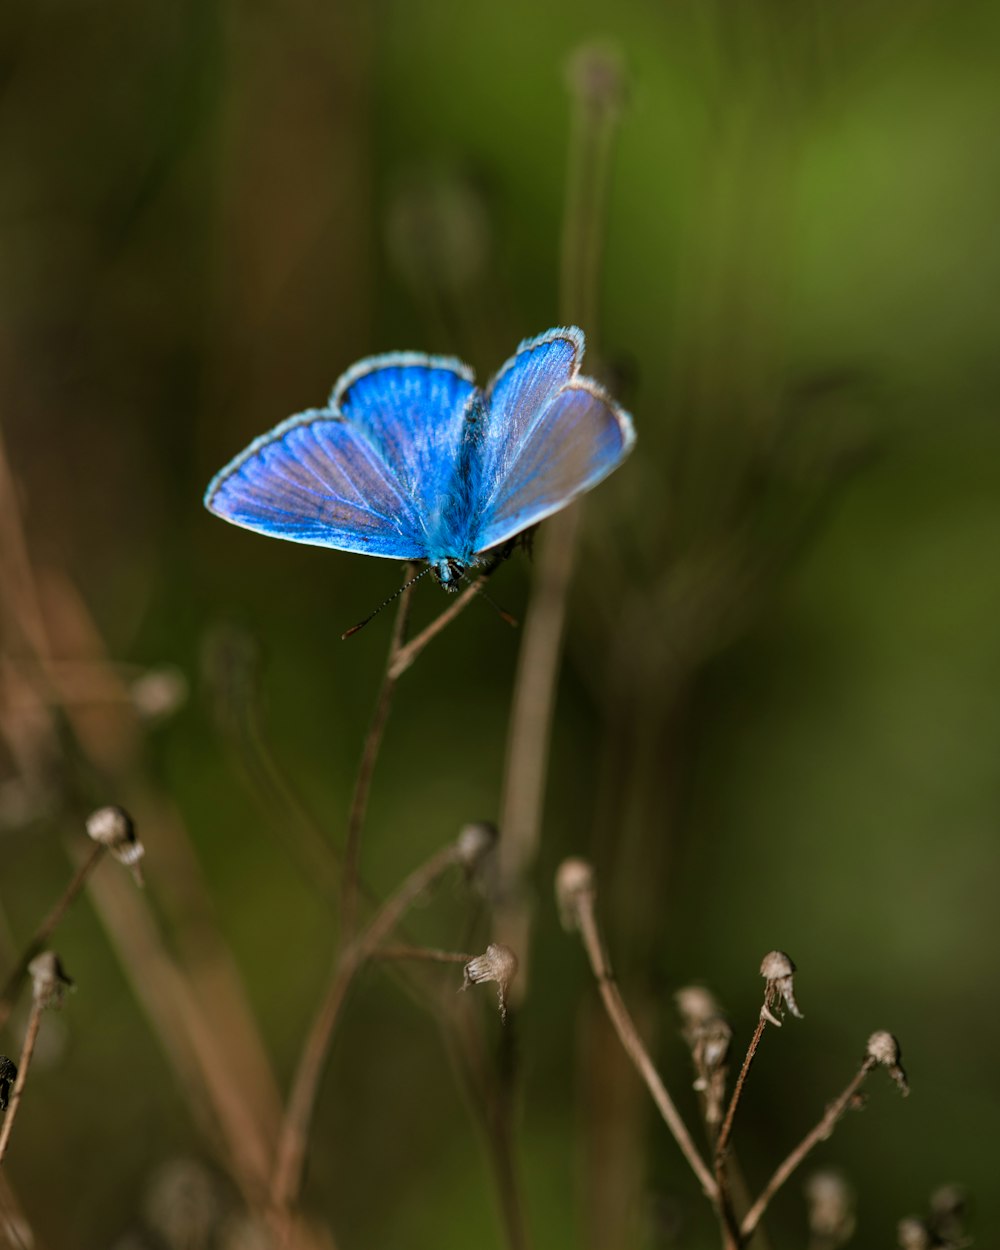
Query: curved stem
(628, 1035)
(45, 930)
(366, 768)
(820, 1133)
(294, 1132)
(27, 1050)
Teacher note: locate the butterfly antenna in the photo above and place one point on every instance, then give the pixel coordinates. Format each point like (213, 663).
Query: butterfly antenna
(392, 599)
(504, 615)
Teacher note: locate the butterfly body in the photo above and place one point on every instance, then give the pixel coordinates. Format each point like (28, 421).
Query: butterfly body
(412, 461)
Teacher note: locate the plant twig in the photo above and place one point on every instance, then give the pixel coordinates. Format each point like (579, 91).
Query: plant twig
(287, 1176)
(405, 655)
(23, 1064)
(722, 1141)
(425, 953)
(366, 768)
(45, 930)
(596, 87)
(577, 897)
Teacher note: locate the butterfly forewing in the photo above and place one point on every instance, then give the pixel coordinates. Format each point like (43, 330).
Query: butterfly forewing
(579, 438)
(315, 480)
(520, 393)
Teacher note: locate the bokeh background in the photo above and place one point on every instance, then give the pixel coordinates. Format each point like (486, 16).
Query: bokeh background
(778, 721)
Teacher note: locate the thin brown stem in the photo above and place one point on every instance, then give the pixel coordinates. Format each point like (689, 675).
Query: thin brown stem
(727, 1212)
(629, 1037)
(594, 85)
(821, 1132)
(23, 1064)
(294, 1134)
(44, 932)
(722, 1141)
(405, 655)
(426, 954)
(366, 768)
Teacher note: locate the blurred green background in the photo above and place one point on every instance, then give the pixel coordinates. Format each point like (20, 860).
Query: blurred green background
(778, 721)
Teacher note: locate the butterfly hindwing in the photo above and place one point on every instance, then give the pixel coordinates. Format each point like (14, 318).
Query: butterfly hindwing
(410, 409)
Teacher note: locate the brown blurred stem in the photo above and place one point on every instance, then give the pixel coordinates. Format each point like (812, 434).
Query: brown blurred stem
(23, 1064)
(593, 128)
(294, 1132)
(821, 1132)
(590, 934)
(44, 931)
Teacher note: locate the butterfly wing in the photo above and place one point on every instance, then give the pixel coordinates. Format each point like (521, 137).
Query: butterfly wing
(577, 439)
(358, 475)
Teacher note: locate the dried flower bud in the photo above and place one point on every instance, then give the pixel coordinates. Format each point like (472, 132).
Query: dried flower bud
(474, 845)
(596, 77)
(574, 883)
(913, 1234)
(185, 1203)
(884, 1049)
(696, 1005)
(49, 981)
(159, 692)
(8, 1075)
(112, 827)
(777, 970)
(831, 1208)
(949, 1207)
(499, 964)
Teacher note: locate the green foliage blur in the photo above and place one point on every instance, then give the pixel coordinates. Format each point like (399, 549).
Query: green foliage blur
(778, 720)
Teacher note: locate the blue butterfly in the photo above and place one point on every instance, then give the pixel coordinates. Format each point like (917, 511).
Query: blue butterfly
(412, 461)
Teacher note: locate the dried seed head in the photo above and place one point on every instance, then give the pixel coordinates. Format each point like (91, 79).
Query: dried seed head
(777, 970)
(596, 77)
(831, 1208)
(913, 1234)
(884, 1049)
(574, 884)
(159, 692)
(475, 844)
(949, 1207)
(49, 981)
(696, 1006)
(8, 1075)
(185, 1204)
(498, 964)
(112, 827)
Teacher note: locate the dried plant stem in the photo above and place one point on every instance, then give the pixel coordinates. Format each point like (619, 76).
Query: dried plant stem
(821, 1132)
(15, 1231)
(287, 1177)
(726, 1132)
(45, 930)
(366, 769)
(405, 655)
(425, 953)
(23, 1064)
(629, 1037)
(489, 1105)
